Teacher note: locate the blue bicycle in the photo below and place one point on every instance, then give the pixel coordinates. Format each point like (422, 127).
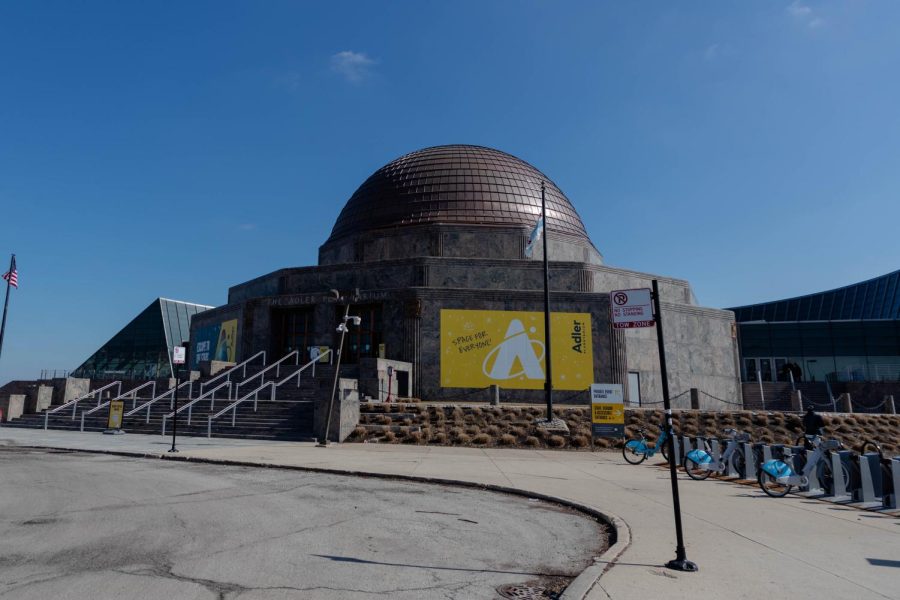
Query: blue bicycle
(637, 450)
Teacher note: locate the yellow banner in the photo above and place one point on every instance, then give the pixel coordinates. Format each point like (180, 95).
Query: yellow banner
(507, 348)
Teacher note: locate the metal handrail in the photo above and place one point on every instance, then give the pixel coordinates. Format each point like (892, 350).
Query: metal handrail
(301, 369)
(190, 405)
(234, 368)
(134, 392)
(276, 365)
(169, 392)
(74, 403)
(233, 406)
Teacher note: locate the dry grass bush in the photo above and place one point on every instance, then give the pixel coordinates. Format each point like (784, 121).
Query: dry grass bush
(517, 431)
(473, 430)
(580, 441)
(604, 443)
(463, 439)
(407, 421)
(414, 437)
(556, 441)
(481, 439)
(383, 420)
(455, 432)
(506, 440)
(440, 438)
(492, 430)
(389, 436)
(532, 442)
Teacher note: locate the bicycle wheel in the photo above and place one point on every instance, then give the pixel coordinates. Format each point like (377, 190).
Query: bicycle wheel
(633, 452)
(695, 471)
(825, 473)
(740, 465)
(665, 451)
(771, 487)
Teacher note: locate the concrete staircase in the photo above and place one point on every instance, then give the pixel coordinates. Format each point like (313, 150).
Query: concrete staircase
(288, 417)
(778, 395)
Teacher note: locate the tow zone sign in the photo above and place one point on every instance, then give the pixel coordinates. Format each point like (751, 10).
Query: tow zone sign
(631, 308)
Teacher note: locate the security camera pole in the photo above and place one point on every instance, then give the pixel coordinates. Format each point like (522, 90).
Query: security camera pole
(342, 328)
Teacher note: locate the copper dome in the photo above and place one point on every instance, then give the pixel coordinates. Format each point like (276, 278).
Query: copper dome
(457, 184)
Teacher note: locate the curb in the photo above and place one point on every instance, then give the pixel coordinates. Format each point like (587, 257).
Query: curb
(578, 589)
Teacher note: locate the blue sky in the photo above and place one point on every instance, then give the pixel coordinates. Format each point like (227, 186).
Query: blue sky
(175, 149)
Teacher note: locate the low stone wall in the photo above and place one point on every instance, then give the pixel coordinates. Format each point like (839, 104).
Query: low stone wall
(514, 426)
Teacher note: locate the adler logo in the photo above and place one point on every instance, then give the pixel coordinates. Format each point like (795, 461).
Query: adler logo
(578, 337)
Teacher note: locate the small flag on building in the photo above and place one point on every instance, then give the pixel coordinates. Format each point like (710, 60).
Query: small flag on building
(534, 237)
(12, 276)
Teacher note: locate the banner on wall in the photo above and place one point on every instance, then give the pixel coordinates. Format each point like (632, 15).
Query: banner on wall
(507, 348)
(216, 342)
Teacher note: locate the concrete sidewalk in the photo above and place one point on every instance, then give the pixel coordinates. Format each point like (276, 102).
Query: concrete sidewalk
(746, 544)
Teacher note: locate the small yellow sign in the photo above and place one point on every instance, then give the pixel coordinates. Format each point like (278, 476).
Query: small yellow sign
(610, 414)
(507, 348)
(116, 409)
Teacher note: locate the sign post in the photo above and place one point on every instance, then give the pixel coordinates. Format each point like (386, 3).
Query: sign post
(632, 309)
(178, 358)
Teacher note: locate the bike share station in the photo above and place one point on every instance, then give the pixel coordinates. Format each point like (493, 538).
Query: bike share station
(814, 466)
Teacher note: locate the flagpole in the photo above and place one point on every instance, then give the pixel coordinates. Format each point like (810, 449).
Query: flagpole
(548, 382)
(12, 260)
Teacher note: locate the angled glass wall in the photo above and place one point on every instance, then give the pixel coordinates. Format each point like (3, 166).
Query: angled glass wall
(142, 349)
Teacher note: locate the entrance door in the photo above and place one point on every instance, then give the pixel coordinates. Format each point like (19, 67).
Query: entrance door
(293, 331)
(634, 388)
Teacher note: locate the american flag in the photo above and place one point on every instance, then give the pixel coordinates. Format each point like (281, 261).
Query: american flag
(12, 276)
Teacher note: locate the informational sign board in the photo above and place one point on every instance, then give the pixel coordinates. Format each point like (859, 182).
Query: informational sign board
(507, 348)
(631, 308)
(607, 410)
(179, 355)
(116, 409)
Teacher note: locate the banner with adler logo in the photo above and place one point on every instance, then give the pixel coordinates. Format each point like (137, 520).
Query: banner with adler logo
(507, 348)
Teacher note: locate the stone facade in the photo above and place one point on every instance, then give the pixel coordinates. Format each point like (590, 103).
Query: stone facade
(411, 292)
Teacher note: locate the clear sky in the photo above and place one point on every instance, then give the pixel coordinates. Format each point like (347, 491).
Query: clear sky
(176, 148)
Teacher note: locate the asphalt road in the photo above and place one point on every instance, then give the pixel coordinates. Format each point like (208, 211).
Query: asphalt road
(81, 526)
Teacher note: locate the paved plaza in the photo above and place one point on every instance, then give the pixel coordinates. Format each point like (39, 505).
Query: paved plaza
(746, 544)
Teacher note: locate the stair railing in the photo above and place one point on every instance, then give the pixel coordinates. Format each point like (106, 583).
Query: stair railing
(132, 393)
(275, 365)
(74, 403)
(233, 406)
(303, 368)
(190, 405)
(241, 365)
(170, 392)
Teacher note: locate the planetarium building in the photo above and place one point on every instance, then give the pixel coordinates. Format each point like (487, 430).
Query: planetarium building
(430, 253)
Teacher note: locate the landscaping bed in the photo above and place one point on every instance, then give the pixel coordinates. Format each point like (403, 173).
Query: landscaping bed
(515, 427)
